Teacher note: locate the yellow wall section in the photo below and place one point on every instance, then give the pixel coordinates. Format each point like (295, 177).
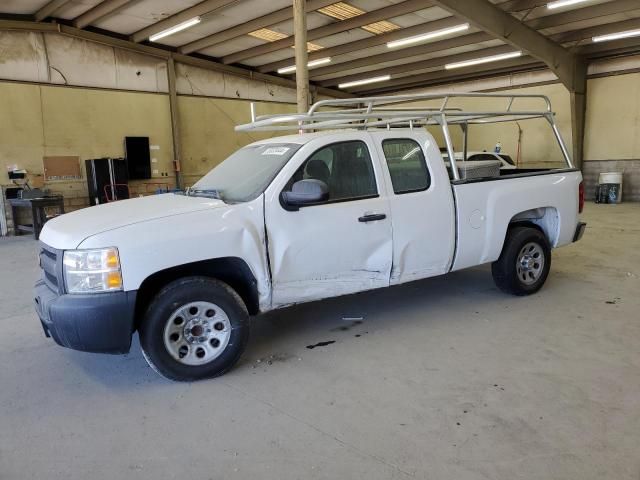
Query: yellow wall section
(207, 130)
(37, 121)
(613, 118)
(538, 142)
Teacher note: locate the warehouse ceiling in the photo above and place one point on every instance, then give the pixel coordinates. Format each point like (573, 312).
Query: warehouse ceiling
(349, 42)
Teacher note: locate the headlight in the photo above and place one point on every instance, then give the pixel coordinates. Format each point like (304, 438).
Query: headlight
(92, 271)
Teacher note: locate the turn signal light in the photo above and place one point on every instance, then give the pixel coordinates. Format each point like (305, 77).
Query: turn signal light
(580, 197)
(114, 280)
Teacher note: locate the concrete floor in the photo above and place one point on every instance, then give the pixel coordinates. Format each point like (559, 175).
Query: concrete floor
(445, 378)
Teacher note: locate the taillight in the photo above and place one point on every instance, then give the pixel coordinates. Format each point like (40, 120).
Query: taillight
(580, 197)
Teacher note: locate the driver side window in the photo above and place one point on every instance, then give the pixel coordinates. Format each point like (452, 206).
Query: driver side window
(345, 168)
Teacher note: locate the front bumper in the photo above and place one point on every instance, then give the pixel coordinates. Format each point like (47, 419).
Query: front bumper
(580, 228)
(101, 323)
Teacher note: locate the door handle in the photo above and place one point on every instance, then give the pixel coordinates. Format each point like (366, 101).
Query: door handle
(372, 217)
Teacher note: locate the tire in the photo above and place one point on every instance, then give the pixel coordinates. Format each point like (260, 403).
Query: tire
(194, 328)
(524, 263)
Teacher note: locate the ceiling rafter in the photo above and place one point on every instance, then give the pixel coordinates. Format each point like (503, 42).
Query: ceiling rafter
(267, 20)
(515, 65)
(561, 38)
(385, 13)
(49, 9)
(101, 10)
(402, 53)
(366, 42)
(421, 65)
(182, 16)
(509, 6)
(520, 5)
(507, 28)
(440, 61)
(604, 29)
(585, 13)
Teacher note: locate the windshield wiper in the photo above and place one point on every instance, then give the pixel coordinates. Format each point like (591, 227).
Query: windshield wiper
(204, 192)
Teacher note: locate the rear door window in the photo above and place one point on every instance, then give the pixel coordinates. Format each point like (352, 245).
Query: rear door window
(407, 165)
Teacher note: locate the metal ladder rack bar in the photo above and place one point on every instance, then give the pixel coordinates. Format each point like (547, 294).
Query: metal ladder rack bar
(388, 111)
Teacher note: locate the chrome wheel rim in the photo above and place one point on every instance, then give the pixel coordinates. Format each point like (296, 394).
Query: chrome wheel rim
(530, 263)
(197, 333)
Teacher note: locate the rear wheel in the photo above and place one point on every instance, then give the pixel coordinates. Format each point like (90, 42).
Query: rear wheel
(195, 328)
(524, 263)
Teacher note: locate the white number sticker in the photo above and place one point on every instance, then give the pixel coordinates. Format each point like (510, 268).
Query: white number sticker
(276, 151)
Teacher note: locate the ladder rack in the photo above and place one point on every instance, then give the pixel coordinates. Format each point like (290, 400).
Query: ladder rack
(392, 111)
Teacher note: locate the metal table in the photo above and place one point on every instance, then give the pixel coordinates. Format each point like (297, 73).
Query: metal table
(38, 214)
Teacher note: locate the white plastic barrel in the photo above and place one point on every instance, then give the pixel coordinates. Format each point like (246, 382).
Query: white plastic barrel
(612, 177)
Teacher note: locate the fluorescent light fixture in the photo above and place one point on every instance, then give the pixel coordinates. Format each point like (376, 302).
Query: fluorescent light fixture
(617, 36)
(366, 81)
(478, 61)
(175, 29)
(563, 3)
(311, 64)
(427, 36)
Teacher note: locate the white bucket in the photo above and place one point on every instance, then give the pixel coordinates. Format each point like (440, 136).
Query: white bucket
(612, 177)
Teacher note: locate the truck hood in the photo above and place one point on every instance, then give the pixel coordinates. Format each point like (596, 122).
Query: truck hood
(69, 230)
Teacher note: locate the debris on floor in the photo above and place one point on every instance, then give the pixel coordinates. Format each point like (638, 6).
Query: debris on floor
(271, 359)
(345, 328)
(321, 344)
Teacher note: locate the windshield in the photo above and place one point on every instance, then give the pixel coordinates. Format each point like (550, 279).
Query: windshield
(246, 173)
(507, 159)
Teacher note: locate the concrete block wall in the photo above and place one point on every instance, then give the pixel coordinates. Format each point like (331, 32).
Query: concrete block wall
(631, 177)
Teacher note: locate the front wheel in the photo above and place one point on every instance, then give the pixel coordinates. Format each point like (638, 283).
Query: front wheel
(524, 263)
(195, 328)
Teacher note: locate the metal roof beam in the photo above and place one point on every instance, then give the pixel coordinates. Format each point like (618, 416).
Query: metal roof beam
(101, 10)
(615, 47)
(441, 76)
(401, 53)
(604, 29)
(369, 42)
(507, 28)
(47, 10)
(272, 18)
(564, 37)
(385, 13)
(182, 16)
(509, 6)
(585, 13)
(520, 5)
(421, 65)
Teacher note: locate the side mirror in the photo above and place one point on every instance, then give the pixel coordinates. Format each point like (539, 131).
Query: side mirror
(305, 192)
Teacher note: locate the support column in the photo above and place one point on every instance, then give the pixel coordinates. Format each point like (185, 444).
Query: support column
(175, 124)
(578, 98)
(302, 72)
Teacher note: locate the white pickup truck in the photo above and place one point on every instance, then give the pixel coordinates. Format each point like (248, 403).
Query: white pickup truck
(295, 219)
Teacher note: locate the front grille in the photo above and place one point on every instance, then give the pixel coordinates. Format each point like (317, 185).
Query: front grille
(51, 270)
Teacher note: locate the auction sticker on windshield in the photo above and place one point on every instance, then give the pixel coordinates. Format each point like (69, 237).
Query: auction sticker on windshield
(276, 151)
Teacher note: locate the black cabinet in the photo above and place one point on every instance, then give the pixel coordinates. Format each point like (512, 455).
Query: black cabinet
(107, 180)
(138, 157)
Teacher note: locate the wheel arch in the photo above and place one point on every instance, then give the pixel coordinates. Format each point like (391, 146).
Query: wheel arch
(233, 271)
(544, 219)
